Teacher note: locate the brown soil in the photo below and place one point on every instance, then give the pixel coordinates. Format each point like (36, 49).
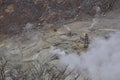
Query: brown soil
(14, 14)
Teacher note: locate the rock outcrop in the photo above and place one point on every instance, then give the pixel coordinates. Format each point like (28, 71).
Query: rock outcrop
(14, 14)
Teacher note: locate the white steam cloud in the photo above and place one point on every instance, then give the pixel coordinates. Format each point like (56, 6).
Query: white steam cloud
(101, 62)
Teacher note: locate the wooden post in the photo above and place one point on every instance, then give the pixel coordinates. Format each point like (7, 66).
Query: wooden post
(86, 41)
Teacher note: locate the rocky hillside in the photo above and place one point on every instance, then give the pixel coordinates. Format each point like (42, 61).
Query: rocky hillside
(14, 14)
(51, 53)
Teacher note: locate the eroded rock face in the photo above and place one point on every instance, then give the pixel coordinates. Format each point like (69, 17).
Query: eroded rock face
(14, 14)
(88, 6)
(1, 1)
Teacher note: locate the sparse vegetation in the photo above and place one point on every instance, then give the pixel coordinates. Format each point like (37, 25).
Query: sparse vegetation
(41, 26)
(34, 70)
(15, 14)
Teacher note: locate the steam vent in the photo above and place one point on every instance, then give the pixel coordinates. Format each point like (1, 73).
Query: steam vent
(59, 39)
